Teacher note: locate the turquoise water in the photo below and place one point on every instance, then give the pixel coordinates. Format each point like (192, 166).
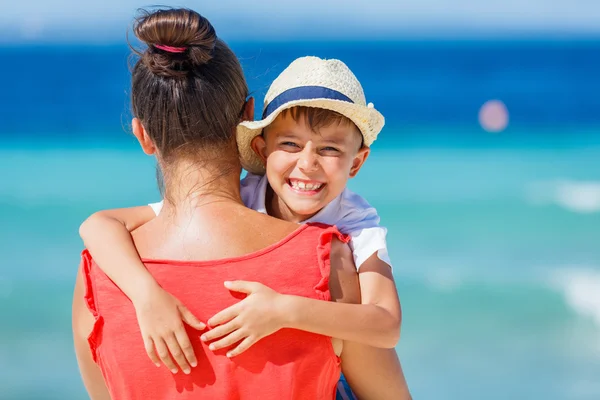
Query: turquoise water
(494, 238)
(499, 275)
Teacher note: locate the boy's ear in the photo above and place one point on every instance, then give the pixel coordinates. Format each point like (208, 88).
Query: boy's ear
(142, 136)
(248, 112)
(359, 160)
(259, 146)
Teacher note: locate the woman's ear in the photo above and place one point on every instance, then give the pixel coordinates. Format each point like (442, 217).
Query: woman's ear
(142, 136)
(359, 160)
(259, 146)
(248, 112)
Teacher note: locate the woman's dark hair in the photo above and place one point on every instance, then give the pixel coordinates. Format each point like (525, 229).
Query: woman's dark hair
(188, 88)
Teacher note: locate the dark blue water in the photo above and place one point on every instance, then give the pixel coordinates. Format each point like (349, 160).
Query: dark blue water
(75, 91)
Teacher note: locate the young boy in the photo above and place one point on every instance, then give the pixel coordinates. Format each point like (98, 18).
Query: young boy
(315, 135)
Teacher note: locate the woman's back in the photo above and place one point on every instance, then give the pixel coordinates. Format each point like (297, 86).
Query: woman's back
(287, 364)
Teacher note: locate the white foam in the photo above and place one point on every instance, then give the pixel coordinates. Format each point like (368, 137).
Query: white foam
(576, 196)
(581, 289)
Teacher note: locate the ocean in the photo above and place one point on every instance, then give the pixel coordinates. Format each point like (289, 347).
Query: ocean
(493, 236)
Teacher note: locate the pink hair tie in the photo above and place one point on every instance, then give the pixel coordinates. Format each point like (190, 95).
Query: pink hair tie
(171, 49)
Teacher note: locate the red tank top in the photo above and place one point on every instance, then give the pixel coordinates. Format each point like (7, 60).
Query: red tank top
(289, 364)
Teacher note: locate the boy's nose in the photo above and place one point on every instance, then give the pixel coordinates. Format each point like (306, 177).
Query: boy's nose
(308, 159)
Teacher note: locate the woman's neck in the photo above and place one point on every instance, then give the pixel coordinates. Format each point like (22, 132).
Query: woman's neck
(189, 186)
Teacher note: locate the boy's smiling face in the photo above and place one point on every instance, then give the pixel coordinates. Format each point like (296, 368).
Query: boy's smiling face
(308, 169)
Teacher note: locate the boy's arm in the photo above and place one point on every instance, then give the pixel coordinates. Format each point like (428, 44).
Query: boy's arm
(375, 322)
(265, 311)
(374, 374)
(106, 235)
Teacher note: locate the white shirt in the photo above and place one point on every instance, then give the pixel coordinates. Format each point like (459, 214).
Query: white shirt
(349, 212)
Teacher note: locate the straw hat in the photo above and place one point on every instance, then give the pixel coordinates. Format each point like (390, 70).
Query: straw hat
(311, 82)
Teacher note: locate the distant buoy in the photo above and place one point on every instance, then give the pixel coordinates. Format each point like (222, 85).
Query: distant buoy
(493, 116)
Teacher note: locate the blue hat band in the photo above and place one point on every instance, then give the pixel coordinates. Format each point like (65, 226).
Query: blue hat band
(303, 93)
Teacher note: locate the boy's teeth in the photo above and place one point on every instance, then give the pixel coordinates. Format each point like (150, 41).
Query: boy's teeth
(305, 186)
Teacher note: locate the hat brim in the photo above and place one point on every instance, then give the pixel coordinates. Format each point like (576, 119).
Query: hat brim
(368, 120)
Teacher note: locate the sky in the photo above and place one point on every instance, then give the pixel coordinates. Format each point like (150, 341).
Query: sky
(108, 20)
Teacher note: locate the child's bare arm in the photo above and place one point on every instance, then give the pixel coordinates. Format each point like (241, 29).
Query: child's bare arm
(265, 311)
(375, 322)
(106, 235)
(374, 374)
(377, 288)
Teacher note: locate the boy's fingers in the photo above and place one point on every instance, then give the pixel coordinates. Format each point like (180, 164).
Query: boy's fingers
(242, 286)
(177, 353)
(242, 347)
(163, 353)
(186, 346)
(219, 331)
(227, 341)
(149, 346)
(191, 319)
(224, 316)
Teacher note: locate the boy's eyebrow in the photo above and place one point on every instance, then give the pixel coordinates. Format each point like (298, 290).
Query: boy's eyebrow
(287, 134)
(337, 140)
(334, 141)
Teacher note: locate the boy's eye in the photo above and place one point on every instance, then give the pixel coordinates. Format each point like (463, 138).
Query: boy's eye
(290, 144)
(330, 149)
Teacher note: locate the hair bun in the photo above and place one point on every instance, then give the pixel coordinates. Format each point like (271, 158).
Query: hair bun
(179, 40)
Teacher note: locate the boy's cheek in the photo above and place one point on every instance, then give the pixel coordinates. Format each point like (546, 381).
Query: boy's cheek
(272, 159)
(281, 160)
(339, 169)
(277, 155)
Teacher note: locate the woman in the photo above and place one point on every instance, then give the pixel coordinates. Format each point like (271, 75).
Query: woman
(188, 94)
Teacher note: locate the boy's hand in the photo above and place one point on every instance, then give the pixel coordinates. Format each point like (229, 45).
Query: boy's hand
(161, 316)
(260, 314)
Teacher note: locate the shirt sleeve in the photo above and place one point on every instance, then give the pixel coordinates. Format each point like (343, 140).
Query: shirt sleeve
(361, 221)
(156, 207)
(368, 241)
